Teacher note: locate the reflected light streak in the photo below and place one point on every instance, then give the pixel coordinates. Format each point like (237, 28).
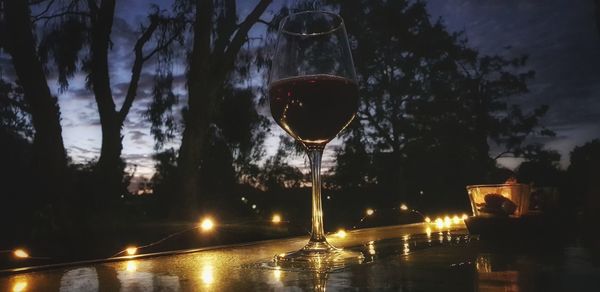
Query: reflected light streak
(277, 273)
(19, 286)
(207, 275)
(131, 266)
(428, 231)
(341, 233)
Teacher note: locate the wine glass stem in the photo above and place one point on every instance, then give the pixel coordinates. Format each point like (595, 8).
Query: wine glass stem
(317, 234)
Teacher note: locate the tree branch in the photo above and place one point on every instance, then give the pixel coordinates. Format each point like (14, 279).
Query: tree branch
(136, 70)
(241, 34)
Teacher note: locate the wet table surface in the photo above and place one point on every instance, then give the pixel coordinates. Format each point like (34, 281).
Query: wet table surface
(416, 257)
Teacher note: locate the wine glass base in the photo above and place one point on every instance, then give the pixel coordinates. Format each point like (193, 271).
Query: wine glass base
(317, 257)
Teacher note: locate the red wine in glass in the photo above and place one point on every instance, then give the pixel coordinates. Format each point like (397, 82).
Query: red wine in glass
(315, 108)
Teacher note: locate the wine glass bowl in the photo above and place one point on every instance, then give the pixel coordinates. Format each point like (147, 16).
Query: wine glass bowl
(313, 96)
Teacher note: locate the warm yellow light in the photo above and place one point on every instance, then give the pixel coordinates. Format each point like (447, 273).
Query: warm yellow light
(131, 266)
(403, 207)
(447, 220)
(427, 219)
(277, 273)
(464, 216)
(207, 224)
(370, 212)
(132, 250)
(341, 233)
(428, 231)
(20, 253)
(439, 223)
(276, 218)
(455, 219)
(207, 275)
(19, 286)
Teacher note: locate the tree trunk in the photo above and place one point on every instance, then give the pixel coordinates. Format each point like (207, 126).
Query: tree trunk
(50, 160)
(109, 170)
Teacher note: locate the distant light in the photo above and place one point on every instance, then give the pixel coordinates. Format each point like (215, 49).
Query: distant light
(132, 250)
(244, 199)
(421, 192)
(439, 223)
(19, 286)
(276, 218)
(370, 212)
(455, 219)
(207, 275)
(465, 216)
(131, 266)
(253, 206)
(20, 253)
(403, 207)
(328, 197)
(427, 219)
(341, 233)
(207, 224)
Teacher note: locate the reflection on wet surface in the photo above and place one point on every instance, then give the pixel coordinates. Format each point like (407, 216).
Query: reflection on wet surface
(407, 258)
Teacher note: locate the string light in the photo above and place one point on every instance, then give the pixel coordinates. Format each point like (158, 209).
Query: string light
(370, 212)
(276, 218)
(20, 253)
(439, 223)
(455, 219)
(403, 207)
(132, 250)
(207, 224)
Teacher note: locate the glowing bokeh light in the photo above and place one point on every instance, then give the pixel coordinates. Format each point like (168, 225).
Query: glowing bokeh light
(455, 219)
(20, 253)
(439, 223)
(427, 219)
(464, 216)
(370, 212)
(132, 250)
(428, 231)
(207, 224)
(276, 218)
(403, 207)
(19, 286)
(341, 233)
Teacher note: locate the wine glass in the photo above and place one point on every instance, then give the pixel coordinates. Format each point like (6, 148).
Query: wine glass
(313, 96)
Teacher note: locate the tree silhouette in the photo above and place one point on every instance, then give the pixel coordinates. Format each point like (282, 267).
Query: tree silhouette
(430, 103)
(217, 39)
(49, 161)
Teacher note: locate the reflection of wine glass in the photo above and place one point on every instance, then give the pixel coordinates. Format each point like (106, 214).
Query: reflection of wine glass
(313, 96)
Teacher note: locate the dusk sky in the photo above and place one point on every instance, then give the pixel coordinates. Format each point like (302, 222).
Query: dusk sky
(560, 37)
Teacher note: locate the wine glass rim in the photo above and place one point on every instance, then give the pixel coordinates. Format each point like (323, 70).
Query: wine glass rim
(334, 15)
